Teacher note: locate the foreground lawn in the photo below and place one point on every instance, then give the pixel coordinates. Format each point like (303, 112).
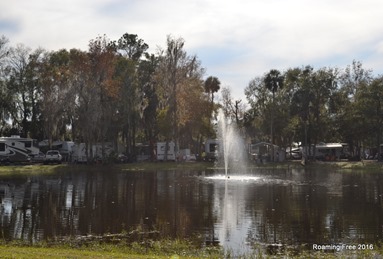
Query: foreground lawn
(42, 252)
(156, 249)
(176, 250)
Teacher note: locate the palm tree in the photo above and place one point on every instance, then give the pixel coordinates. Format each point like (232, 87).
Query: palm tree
(273, 81)
(212, 85)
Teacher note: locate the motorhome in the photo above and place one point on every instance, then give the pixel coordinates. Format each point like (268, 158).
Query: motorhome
(166, 153)
(18, 149)
(4, 152)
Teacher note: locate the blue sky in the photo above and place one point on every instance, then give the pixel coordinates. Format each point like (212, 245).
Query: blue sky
(234, 40)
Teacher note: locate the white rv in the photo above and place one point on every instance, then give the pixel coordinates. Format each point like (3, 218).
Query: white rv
(17, 149)
(323, 151)
(212, 149)
(4, 152)
(163, 154)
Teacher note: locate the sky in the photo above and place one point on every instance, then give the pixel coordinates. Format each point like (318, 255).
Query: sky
(235, 41)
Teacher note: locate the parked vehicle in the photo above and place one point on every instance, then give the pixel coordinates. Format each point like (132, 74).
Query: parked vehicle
(17, 149)
(64, 147)
(53, 156)
(40, 158)
(164, 153)
(294, 153)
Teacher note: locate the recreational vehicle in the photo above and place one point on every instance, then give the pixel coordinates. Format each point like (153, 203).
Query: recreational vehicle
(211, 149)
(4, 152)
(164, 153)
(324, 151)
(17, 149)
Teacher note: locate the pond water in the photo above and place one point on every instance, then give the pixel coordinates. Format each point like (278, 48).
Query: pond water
(261, 207)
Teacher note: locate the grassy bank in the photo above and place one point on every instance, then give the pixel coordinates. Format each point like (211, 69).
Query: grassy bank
(14, 170)
(73, 249)
(40, 169)
(162, 249)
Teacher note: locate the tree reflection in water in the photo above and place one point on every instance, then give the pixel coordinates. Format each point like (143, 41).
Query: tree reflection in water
(275, 207)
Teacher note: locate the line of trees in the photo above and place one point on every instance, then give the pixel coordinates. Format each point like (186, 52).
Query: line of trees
(115, 91)
(312, 106)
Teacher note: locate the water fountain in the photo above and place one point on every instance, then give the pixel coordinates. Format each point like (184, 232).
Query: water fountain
(232, 149)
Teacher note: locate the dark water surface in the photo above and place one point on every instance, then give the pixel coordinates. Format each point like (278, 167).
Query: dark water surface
(289, 207)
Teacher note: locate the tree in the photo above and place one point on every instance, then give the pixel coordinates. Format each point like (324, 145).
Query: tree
(149, 105)
(258, 98)
(20, 85)
(5, 96)
(352, 81)
(132, 47)
(211, 86)
(86, 103)
(273, 82)
(57, 94)
(133, 75)
(233, 109)
(369, 104)
(175, 73)
(102, 59)
(4, 51)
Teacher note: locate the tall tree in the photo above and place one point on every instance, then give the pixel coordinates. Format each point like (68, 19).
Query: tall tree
(273, 82)
(353, 79)
(57, 94)
(18, 85)
(175, 73)
(149, 102)
(131, 46)
(102, 59)
(233, 109)
(5, 96)
(134, 85)
(212, 85)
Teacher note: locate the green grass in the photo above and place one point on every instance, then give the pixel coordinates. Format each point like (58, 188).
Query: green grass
(15, 170)
(166, 166)
(39, 169)
(151, 249)
(159, 249)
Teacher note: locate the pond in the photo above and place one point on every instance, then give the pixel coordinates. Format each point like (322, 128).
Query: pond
(288, 207)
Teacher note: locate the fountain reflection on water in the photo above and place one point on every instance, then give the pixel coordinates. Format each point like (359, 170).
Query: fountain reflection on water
(232, 231)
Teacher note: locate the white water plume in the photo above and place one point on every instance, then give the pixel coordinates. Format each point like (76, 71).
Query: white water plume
(232, 150)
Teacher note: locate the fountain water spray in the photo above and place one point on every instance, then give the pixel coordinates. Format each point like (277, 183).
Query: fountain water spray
(232, 150)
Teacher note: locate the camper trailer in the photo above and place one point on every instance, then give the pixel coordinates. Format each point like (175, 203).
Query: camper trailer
(17, 149)
(211, 149)
(163, 153)
(324, 151)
